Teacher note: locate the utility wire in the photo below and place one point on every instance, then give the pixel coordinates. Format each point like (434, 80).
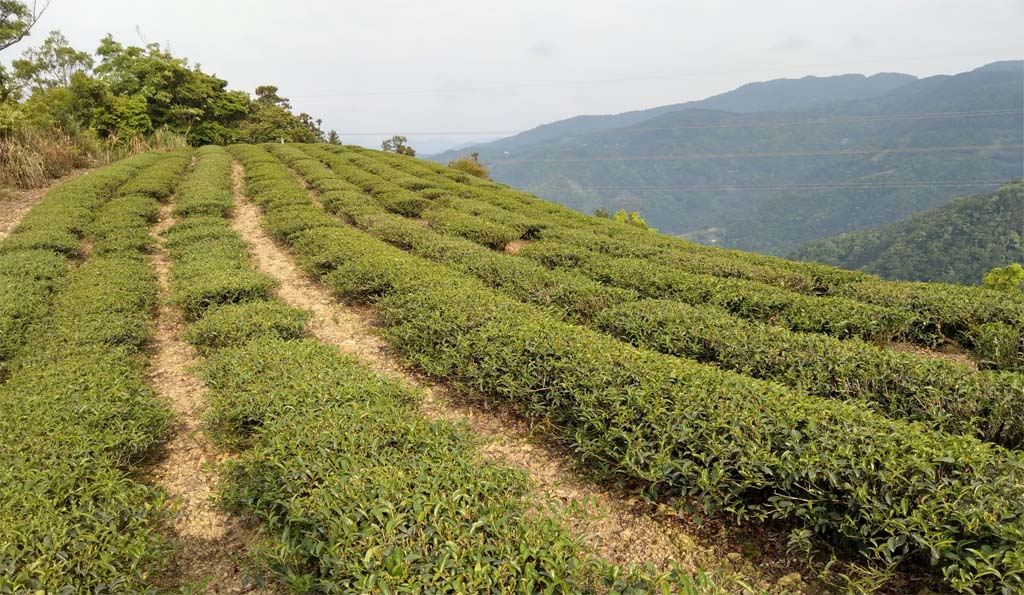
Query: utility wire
(818, 122)
(850, 186)
(573, 83)
(835, 152)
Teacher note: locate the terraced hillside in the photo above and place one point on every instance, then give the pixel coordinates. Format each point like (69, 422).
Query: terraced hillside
(397, 378)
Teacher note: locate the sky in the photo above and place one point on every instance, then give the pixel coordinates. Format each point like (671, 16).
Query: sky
(492, 68)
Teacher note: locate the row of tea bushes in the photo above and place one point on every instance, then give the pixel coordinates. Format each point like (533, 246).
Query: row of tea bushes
(946, 395)
(34, 259)
(758, 450)
(988, 323)
(359, 491)
(78, 417)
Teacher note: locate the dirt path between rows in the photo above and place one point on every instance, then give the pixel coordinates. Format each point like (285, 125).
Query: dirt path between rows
(14, 207)
(623, 531)
(212, 542)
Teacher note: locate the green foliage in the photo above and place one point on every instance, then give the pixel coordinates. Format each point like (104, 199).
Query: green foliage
(631, 218)
(1009, 278)
(954, 243)
(77, 414)
(941, 314)
(756, 449)
(471, 165)
(52, 65)
(396, 144)
(905, 386)
(375, 497)
(237, 324)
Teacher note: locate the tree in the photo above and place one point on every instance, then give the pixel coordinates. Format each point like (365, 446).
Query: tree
(17, 20)
(602, 213)
(53, 64)
(632, 218)
(1009, 278)
(471, 165)
(333, 138)
(396, 144)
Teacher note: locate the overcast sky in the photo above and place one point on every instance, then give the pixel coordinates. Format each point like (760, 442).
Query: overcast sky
(672, 50)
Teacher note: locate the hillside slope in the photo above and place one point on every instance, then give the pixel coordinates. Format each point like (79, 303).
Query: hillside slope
(955, 243)
(774, 95)
(771, 181)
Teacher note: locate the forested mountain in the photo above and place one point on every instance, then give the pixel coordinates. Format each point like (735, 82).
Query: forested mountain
(955, 243)
(771, 180)
(778, 94)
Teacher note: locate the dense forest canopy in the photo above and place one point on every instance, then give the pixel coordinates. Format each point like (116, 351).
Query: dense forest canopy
(955, 243)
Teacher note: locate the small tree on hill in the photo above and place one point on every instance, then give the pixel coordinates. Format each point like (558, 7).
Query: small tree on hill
(471, 165)
(632, 218)
(1009, 278)
(602, 213)
(333, 138)
(396, 144)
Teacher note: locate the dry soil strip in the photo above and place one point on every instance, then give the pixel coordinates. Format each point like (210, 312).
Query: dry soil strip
(622, 531)
(13, 209)
(212, 542)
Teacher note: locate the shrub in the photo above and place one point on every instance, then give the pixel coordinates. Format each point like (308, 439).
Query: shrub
(471, 165)
(237, 324)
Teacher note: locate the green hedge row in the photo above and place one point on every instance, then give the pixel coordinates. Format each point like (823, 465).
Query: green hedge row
(988, 323)
(361, 493)
(206, 192)
(34, 258)
(894, 489)
(755, 301)
(77, 417)
(946, 395)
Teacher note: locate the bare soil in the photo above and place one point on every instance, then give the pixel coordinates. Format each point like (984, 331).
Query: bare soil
(622, 529)
(213, 544)
(957, 357)
(14, 204)
(515, 246)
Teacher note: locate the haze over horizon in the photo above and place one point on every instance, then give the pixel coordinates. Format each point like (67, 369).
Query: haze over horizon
(482, 74)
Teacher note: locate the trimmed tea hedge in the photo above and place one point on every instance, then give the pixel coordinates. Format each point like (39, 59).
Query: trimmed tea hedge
(756, 449)
(76, 417)
(989, 323)
(945, 395)
(359, 492)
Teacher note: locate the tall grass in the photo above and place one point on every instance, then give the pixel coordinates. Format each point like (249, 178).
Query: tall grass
(31, 156)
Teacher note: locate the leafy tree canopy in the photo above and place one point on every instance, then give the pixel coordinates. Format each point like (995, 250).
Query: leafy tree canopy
(1008, 278)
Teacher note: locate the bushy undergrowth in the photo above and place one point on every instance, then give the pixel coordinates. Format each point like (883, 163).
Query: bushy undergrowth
(893, 489)
(77, 414)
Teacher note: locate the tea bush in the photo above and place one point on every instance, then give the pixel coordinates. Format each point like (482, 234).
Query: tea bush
(894, 489)
(77, 416)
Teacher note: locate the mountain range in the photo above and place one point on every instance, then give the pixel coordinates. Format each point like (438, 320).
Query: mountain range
(955, 243)
(770, 166)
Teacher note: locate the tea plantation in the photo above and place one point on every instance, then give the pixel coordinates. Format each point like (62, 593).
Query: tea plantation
(710, 381)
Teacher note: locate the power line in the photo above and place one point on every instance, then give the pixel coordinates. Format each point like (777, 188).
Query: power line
(835, 152)
(823, 121)
(850, 186)
(573, 83)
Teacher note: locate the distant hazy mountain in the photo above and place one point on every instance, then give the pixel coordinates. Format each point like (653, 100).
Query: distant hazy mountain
(816, 170)
(955, 243)
(779, 94)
